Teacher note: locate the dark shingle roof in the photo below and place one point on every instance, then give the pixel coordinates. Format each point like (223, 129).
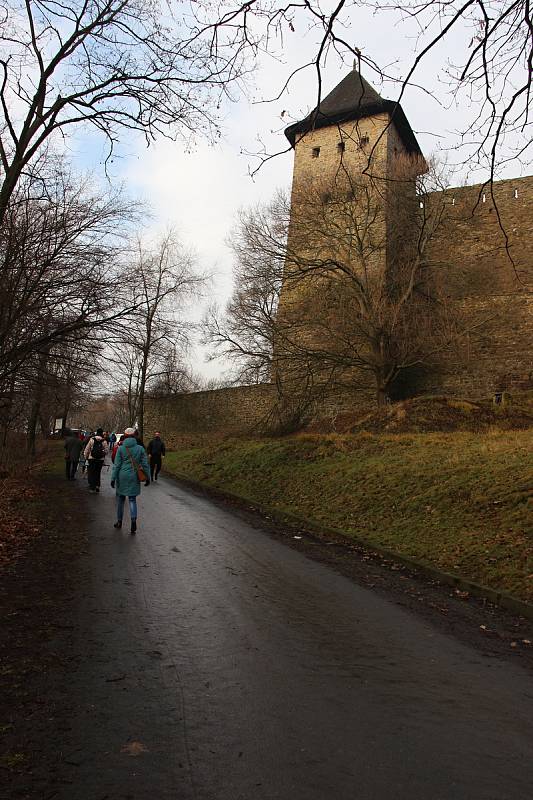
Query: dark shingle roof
(354, 98)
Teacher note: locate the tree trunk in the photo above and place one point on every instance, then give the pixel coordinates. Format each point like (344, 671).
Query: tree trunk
(64, 417)
(142, 387)
(144, 372)
(382, 385)
(32, 426)
(8, 187)
(36, 403)
(382, 396)
(7, 409)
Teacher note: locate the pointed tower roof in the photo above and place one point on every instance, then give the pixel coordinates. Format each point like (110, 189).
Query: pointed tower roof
(352, 93)
(354, 98)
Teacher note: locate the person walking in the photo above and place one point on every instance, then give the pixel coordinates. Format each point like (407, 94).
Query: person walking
(156, 452)
(116, 446)
(125, 477)
(83, 460)
(95, 453)
(73, 448)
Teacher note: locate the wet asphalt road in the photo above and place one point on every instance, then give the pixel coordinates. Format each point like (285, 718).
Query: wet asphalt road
(216, 663)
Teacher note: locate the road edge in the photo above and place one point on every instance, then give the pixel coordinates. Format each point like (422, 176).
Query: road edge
(320, 531)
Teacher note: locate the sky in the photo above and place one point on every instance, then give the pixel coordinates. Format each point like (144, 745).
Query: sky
(199, 191)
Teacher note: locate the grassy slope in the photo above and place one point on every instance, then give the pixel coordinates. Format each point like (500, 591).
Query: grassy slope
(461, 501)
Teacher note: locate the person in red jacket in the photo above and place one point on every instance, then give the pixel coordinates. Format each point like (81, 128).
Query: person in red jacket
(116, 446)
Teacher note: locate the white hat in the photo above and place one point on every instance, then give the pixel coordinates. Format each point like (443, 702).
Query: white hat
(130, 431)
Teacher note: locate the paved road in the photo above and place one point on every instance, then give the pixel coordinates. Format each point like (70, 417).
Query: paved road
(216, 663)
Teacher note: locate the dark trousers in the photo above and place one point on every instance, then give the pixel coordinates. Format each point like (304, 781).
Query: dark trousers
(70, 469)
(155, 467)
(94, 468)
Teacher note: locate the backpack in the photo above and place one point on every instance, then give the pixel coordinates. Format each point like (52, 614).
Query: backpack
(97, 451)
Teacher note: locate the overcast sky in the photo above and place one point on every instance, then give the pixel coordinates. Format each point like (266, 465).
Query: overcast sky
(199, 192)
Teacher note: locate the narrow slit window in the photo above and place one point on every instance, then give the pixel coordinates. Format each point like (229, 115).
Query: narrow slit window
(364, 140)
(484, 198)
(341, 147)
(315, 152)
(516, 194)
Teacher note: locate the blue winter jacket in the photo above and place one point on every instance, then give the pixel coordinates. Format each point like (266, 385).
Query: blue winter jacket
(124, 473)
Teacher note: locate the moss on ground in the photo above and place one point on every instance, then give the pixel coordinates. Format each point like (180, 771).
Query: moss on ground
(460, 501)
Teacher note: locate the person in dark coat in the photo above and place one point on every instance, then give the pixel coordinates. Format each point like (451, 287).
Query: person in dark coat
(73, 448)
(156, 452)
(124, 478)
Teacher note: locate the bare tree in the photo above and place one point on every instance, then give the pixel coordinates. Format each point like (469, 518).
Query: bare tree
(110, 64)
(61, 257)
(491, 76)
(173, 375)
(128, 369)
(76, 368)
(162, 281)
(245, 331)
(58, 383)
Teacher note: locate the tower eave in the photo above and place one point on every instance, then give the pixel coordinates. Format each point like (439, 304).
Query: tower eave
(317, 120)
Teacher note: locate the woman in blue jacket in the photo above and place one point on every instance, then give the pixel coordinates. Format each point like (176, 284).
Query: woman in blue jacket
(124, 477)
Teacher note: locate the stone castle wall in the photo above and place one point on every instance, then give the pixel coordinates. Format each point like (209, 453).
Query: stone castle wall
(489, 283)
(230, 411)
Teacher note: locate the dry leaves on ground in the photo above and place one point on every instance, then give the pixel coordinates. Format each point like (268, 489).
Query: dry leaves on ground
(18, 524)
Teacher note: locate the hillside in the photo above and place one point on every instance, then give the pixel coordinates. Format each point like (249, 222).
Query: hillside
(433, 414)
(460, 501)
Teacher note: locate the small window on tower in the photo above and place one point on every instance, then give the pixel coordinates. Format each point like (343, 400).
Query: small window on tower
(363, 141)
(341, 147)
(315, 152)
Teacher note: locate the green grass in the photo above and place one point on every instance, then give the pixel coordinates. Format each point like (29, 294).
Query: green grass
(51, 459)
(460, 501)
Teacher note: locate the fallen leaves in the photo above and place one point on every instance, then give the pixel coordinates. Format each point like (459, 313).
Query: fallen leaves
(17, 526)
(461, 595)
(134, 748)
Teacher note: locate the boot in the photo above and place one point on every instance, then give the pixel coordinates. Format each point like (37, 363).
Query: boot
(118, 524)
(134, 526)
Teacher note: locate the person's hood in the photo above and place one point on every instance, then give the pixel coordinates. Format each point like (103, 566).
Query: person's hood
(130, 441)
(98, 437)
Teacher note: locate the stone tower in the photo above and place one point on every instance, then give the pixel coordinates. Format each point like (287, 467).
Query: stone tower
(352, 124)
(355, 163)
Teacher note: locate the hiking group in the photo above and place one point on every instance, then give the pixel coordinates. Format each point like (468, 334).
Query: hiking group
(132, 466)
